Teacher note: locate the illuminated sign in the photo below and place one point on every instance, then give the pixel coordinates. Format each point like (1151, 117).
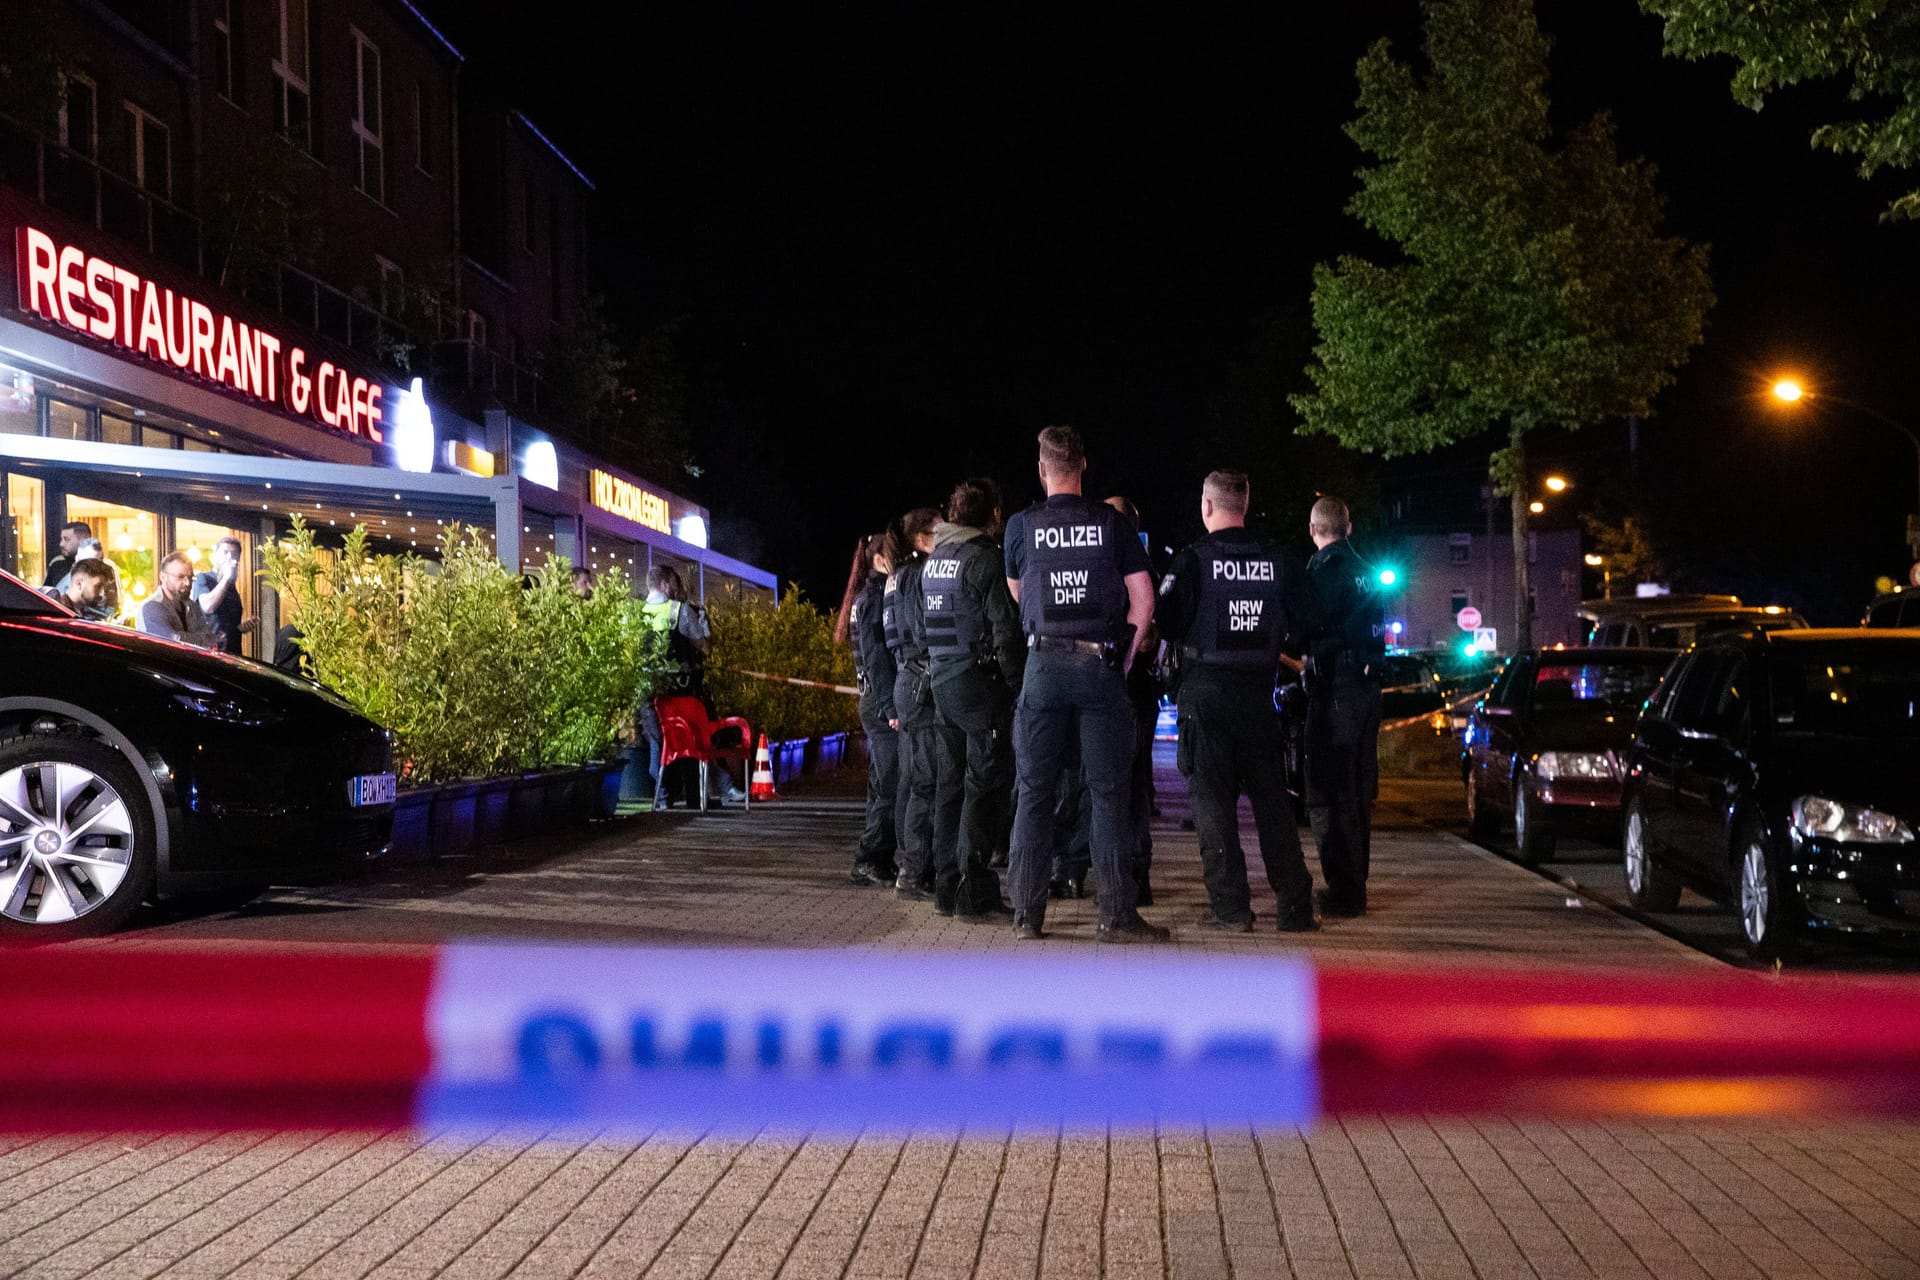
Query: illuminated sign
(540, 464)
(462, 456)
(65, 284)
(629, 501)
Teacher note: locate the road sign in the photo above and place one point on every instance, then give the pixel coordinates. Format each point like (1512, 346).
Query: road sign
(1468, 618)
(1486, 639)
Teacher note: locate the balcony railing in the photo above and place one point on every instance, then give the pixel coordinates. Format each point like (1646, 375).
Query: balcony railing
(81, 188)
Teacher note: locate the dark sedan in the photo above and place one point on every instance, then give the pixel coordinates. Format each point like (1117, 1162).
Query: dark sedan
(1777, 772)
(1545, 744)
(132, 767)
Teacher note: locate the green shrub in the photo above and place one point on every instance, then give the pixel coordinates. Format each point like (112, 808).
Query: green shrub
(476, 671)
(791, 638)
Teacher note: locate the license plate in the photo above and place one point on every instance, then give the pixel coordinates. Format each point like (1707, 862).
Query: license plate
(372, 788)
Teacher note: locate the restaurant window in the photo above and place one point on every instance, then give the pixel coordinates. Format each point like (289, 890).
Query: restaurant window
(293, 109)
(366, 118)
(154, 438)
(1459, 548)
(80, 117)
(152, 152)
(197, 539)
(117, 430)
(1457, 600)
(27, 519)
(131, 539)
(18, 414)
(69, 421)
(223, 49)
(198, 446)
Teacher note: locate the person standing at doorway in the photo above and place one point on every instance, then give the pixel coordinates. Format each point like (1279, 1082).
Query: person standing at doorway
(218, 591)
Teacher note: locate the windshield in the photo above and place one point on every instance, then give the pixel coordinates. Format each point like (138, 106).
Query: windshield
(1858, 691)
(1407, 670)
(1620, 683)
(17, 598)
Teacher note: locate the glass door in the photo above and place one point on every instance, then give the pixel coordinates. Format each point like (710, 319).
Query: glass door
(130, 538)
(198, 539)
(26, 528)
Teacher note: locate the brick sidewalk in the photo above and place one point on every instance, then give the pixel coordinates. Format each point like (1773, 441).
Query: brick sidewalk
(1363, 1198)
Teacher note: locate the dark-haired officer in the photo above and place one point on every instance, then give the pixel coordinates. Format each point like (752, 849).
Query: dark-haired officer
(1226, 602)
(1345, 648)
(975, 660)
(1086, 599)
(903, 615)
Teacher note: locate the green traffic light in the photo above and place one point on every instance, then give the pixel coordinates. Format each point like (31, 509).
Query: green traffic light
(1388, 577)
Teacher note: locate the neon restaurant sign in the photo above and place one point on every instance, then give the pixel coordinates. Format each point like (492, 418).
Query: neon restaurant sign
(67, 285)
(629, 501)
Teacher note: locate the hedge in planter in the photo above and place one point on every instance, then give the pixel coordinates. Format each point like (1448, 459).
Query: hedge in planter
(791, 638)
(476, 670)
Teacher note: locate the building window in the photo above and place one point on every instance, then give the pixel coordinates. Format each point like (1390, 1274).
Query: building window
(393, 287)
(80, 117)
(366, 117)
(422, 129)
(293, 109)
(152, 153)
(223, 49)
(1459, 548)
(1457, 600)
(477, 330)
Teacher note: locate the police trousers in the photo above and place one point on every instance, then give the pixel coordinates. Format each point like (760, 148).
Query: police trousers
(878, 839)
(973, 773)
(1074, 697)
(1230, 745)
(1343, 779)
(913, 816)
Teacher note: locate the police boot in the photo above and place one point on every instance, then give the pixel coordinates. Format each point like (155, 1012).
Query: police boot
(1142, 889)
(1132, 929)
(1240, 924)
(1068, 886)
(943, 900)
(905, 886)
(1298, 918)
(1027, 926)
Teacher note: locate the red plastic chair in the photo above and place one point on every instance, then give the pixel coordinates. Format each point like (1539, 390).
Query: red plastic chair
(687, 734)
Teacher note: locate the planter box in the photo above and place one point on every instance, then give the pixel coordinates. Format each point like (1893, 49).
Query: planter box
(789, 758)
(608, 780)
(457, 817)
(454, 809)
(527, 806)
(833, 752)
(492, 811)
(412, 826)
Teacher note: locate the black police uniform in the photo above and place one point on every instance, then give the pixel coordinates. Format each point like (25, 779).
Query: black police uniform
(874, 862)
(1344, 651)
(1071, 557)
(1226, 603)
(913, 706)
(975, 660)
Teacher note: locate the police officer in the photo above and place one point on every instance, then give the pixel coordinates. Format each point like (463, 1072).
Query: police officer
(975, 660)
(1226, 603)
(1345, 648)
(912, 705)
(1086, 599)
(873, 863)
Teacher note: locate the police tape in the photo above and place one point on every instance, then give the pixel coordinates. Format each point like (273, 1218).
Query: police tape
(631, 1040)
(795, 680)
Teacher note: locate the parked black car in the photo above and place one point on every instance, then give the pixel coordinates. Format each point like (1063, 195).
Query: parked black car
(1410, 685)
(133, 767)
(1777, 771)
(1545, 745)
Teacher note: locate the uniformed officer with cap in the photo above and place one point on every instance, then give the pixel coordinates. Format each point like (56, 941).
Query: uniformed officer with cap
(1345, 647)
(903, 615)
(1226, 603)
(975, 659)
(1086, 599)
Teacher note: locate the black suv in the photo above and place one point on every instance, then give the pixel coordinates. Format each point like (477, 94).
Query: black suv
(133, 767)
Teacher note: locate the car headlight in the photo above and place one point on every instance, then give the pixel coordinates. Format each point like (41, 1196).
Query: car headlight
(1589, 766)
(215, 704)
(1853, 824)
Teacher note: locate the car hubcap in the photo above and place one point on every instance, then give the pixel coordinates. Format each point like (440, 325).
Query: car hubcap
(1753, 893)
(66, 842)
(1636, 854)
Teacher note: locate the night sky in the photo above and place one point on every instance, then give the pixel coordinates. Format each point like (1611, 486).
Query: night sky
(899, 239)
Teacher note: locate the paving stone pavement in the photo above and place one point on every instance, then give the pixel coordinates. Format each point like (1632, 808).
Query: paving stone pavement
(1492, 1198)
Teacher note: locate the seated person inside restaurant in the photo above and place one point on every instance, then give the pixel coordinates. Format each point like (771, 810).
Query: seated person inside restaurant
(90, 549)
(86, 590)
(171, 614)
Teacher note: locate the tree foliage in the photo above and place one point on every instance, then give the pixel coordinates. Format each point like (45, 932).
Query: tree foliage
(791, 638)
(1531, 286)
(1871, 45)
(625, 397)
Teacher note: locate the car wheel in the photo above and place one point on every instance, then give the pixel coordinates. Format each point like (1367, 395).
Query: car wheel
(76, 839)
(1481, 824)
(1769, 922)
(1533, 836)
(1650, 887)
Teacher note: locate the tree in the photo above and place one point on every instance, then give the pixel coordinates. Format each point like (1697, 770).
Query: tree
(1872, 44)
(626, 400)
(1531, 288)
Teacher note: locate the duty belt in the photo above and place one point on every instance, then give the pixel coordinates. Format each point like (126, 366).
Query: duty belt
(1193, 656)
(1063, 644)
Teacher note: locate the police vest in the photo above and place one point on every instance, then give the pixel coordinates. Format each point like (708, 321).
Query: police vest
(903, 606)
(865, 630)
(956, 620)
(1069, 586)
(1240, 618)
(1358, 630)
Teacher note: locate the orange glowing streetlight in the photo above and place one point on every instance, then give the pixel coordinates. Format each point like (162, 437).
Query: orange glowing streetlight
(1556, 484)
(1788, 390)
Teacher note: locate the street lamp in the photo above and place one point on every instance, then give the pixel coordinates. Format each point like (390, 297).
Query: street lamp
(1556, 484)
(1791, 391)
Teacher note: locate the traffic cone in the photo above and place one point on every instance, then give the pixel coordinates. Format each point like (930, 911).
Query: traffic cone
(762, 786)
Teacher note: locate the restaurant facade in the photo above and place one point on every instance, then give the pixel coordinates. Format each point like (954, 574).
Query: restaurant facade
(144, 395)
